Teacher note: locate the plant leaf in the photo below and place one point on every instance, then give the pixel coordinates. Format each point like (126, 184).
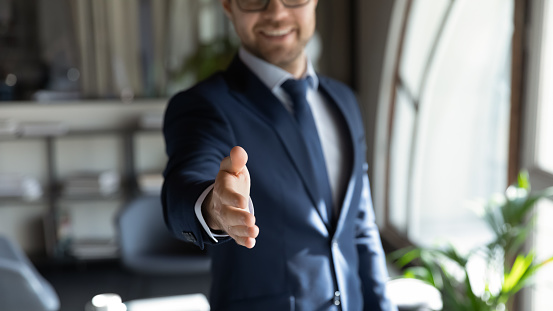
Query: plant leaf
(420, 273)
(523, 180)
(403, 257)
(451, 253)
(531, 271)
(519, 268)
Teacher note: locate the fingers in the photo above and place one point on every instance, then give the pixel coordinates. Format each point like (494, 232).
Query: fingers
(243, 235)
(239, 225)
(232, 216)
(243, 231)
(246, 242)
(236, 162)
(231, 197)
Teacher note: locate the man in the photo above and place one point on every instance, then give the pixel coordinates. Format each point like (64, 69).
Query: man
(300, 212)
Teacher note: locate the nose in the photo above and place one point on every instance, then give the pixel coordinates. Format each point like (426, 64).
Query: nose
(276, 9)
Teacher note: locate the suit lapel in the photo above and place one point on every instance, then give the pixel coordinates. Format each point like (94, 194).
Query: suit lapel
(249, 90)
(349, 119)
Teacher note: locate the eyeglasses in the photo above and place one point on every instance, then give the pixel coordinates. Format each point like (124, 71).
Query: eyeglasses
(261, 5)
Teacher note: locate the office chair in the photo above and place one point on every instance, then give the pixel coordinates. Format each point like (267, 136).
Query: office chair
(21, 286)
(148, 248)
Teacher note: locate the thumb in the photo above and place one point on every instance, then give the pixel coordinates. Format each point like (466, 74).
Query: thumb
(236, 162)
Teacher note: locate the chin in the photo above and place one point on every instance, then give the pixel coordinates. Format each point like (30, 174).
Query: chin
(281, 58)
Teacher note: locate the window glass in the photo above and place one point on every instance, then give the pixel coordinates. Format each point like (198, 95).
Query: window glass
(422, 28)
(400, 157)
(543, 290)
(462, 141)
(545, 129)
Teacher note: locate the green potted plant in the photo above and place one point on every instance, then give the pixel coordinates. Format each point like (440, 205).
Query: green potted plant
(208, 59)
(509, 267)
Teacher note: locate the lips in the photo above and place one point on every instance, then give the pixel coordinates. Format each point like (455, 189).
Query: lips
(277, 32)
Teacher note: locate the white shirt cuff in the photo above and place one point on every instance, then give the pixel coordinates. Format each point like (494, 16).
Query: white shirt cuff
(198, 210)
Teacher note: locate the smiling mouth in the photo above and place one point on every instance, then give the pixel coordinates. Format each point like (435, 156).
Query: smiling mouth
(277, 32)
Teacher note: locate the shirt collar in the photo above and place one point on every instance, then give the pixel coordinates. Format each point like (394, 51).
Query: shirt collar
(271, 75)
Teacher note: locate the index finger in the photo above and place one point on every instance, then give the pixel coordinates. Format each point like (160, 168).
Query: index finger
(235, 216)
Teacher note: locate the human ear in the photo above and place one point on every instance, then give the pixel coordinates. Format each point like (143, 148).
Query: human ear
(227, 7)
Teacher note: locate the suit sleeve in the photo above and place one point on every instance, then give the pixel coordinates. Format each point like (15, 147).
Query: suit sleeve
(197, 138)
(372, 260)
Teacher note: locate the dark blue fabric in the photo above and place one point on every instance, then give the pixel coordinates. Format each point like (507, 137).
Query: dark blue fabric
(299, 260)
(297, 90)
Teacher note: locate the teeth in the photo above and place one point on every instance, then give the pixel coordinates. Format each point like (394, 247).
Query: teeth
(276, 32)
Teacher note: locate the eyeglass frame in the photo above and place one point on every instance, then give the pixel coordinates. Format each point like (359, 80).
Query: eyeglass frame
(267, 5)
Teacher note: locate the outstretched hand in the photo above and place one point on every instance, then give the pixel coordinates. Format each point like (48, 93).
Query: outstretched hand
(226, 207)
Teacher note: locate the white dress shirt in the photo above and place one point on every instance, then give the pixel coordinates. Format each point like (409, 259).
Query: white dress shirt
(332, 131)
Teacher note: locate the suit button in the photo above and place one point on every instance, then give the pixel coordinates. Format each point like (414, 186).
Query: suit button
(336, 298)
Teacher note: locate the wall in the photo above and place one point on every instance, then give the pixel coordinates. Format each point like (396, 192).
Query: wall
(379, 28)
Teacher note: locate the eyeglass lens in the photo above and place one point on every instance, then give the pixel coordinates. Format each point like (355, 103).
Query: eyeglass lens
(260, 5)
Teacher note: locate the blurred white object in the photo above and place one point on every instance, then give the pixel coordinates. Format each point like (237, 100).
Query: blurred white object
(101, 183)
(193, 302)
(413, 294)
(21, 186)
(106, 302)
(93, 248)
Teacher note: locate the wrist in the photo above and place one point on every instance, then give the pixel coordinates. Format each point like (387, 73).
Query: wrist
(206, 208)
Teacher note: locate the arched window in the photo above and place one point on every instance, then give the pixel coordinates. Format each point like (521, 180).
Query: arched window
(537, 139)
(449, 121)
(465, 101)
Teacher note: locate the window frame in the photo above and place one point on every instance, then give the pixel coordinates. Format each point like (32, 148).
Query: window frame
(526, 52)
(390, 80)
(530, 44)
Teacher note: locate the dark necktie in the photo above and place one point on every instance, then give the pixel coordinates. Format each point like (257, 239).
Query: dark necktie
(297, 90)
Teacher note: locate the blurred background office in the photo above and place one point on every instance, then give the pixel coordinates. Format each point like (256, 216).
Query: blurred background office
(456, 96)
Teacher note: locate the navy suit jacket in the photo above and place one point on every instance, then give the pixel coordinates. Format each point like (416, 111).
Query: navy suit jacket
(302, 260)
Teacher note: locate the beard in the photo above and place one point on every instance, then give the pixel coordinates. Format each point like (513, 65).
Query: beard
(283, 56)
